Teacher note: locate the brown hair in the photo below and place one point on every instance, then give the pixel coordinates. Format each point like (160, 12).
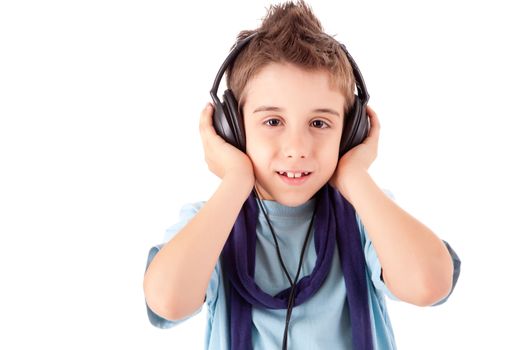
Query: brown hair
(291, 33)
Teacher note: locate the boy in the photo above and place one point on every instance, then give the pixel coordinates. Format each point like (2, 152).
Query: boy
(294, 225)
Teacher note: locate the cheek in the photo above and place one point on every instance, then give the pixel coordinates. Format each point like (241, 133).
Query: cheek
(332, 163)
(261, 161)
(256, 151)
(330, 156)
(257, 147)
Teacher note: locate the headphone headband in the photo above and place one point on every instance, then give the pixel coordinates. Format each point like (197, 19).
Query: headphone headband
(362, 92)
(231, 56)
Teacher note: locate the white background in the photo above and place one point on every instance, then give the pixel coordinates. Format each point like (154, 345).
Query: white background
(99, 148)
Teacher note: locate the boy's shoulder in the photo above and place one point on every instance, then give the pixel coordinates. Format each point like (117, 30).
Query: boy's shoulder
(186, 213)
(388, 193)
(191, 207)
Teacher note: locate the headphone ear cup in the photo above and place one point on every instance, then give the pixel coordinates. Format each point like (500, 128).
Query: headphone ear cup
(234, 117)
(363, 126)
(225, 120)
(356, 127)
(220, 122)
(349, 127)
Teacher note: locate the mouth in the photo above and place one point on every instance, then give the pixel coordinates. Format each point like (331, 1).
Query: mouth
(294, 178)
(294, 174)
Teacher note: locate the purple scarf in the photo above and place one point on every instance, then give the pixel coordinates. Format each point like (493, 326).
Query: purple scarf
(335, 221)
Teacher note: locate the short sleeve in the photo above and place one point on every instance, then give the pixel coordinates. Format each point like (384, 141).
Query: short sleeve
(187, 212)
(457, 270)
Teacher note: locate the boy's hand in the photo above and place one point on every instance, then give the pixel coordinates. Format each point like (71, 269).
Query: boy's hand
(222, 158)
(359, 158)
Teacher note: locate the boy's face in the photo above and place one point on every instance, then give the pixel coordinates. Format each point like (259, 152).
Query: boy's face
(293, 121)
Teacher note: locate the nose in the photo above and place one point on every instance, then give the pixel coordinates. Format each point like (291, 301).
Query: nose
(296, 144)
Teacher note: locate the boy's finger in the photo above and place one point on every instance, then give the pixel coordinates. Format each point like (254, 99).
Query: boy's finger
(206, 121)
(373, 117)
(374, 123)
(372, 114)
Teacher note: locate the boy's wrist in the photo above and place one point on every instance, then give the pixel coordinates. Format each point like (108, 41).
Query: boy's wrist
(354, 182)
(240, 182)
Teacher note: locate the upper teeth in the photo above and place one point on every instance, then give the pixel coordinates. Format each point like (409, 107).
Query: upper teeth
(290, 174)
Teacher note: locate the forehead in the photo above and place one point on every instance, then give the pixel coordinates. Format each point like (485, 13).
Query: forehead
(289, 86)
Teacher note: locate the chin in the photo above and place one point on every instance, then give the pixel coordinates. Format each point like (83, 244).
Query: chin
(294, 199)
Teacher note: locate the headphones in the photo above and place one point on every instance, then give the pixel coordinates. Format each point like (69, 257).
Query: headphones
(229, 124)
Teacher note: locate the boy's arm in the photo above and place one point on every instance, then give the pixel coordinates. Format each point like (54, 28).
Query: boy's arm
(417, 266)
(175, 282)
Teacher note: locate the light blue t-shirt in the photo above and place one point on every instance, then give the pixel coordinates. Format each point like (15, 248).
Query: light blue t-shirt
(323, 321)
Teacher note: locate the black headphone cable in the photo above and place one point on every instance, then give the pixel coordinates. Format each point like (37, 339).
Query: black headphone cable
(293, 284)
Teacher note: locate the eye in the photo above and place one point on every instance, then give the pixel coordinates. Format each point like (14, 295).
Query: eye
(320, 124)
(272, 122)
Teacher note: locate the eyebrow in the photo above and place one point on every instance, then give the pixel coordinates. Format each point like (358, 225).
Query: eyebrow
(278, 109)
